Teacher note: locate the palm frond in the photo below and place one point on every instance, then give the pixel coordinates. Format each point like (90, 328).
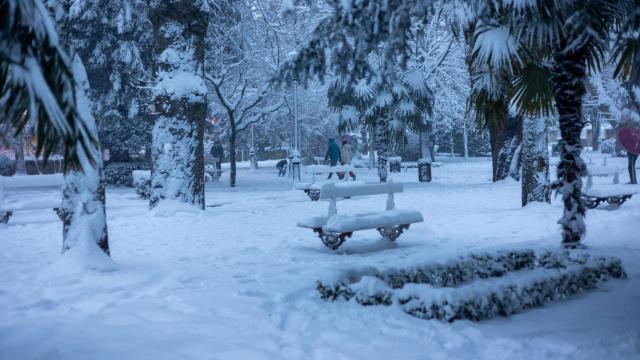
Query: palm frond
(532, 90)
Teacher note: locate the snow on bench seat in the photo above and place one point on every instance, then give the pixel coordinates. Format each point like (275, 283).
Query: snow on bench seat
(13, 188)
(366, 221)
(48, 202)
(31, 181)
(602, 170)
(609, 190)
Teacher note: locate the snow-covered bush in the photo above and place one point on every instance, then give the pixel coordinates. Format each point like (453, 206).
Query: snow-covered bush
(511, 282)
(119, 174)
(7, 166)
(142, 183)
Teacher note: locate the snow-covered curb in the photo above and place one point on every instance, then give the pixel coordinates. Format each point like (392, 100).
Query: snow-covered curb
(513, 281)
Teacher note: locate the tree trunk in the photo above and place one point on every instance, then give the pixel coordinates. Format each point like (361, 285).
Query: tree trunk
(497, 135)
(595, 130)
(181, 108)
(568, 76)
(232, 157)
(535, 161)
(508, 160)
(83, 197)
(382, 148)
(424, 163)
(18, 146)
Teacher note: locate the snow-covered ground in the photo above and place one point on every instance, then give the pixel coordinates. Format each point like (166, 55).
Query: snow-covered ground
(238, 280)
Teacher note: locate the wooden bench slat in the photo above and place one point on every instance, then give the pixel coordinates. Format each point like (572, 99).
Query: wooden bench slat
(329, 191)
(31, 181)
(366, 221)
(325, 169)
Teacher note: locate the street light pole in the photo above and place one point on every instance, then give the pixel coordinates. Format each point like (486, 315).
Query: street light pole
(252, 150)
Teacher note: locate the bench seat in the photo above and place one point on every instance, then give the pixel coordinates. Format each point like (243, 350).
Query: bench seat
(608, 190)
(29, 192)
(363, 221)
(49, 202)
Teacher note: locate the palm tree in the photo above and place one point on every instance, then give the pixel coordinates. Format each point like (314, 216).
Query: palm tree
(569, 37)
(385, 106)
(38, 78)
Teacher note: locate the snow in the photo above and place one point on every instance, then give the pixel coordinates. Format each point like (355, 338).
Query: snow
(607, 190)
(31, 181)
(347, 223)
(181, 84)
(237, 281)
(495, 45)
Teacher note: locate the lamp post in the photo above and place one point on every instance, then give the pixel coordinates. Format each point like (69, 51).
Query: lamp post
(252, 150)
(295, 156)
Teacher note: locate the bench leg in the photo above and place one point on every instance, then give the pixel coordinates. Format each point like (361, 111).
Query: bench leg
(61, 213)
(393, 232)
(4, 216)
(314, 195)
(591, 202)
(332, 240)
(616, 200)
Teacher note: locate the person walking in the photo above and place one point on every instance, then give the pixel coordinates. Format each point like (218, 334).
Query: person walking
(333, 154)
(217, 153)
(282, 167)
(346, 155)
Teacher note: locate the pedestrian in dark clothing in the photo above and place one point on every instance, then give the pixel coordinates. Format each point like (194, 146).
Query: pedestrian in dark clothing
(632, 167)
(282, 167)
(217, 153)
(333, 154)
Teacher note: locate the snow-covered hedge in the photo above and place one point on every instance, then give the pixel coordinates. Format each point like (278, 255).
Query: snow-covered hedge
(478, 287)
(7, 166)
(119, 174)
(451, 273)
(142, 183)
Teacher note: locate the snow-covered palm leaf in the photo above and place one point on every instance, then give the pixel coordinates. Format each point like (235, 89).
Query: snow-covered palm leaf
(626, 51)
(36, 78)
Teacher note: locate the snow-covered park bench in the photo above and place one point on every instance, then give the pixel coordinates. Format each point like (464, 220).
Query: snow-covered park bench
(25, 192)
(614, 194)
(335, 228)
(312, 188)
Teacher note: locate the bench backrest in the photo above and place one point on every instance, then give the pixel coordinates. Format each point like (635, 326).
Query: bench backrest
(31, 181)
(324, 169)
(332, 191)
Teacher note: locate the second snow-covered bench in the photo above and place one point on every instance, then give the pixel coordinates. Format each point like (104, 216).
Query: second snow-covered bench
(312, 188)
(13, 188)
(614, 194)
(335, 228)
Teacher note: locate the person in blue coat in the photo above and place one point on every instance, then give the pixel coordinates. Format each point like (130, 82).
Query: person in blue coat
(333, 154)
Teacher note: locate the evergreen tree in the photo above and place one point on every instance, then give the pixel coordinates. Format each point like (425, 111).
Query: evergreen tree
(179, 29)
